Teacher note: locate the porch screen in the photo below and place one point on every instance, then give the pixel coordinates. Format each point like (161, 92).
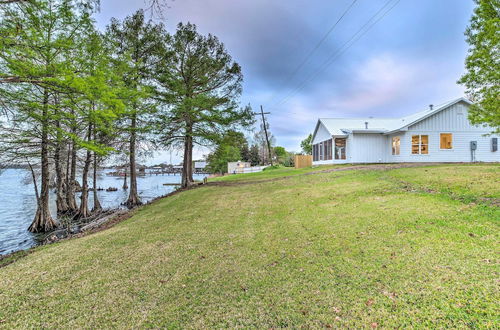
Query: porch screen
(322, 150)
(327, 145)
(340, 148)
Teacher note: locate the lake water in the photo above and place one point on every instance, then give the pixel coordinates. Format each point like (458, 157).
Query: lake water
(18, 204)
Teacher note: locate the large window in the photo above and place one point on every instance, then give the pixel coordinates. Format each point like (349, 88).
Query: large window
(420, 144)
(340, 148)
(445, 141)
(396, 145)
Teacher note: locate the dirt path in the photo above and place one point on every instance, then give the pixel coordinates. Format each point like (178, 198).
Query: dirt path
(383, 167)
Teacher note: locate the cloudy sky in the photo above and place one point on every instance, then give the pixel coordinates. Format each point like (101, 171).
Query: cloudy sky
(384, 58)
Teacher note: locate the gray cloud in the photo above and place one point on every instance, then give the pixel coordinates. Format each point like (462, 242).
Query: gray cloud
(411, 58)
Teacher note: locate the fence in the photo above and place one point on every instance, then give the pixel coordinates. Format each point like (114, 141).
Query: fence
(303, 161)
(249, 169)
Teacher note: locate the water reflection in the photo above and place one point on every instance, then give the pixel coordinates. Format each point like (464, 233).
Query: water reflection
(18, 204)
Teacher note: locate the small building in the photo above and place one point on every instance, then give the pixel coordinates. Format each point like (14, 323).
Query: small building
(440, 134)
(237, 167)
(200, 165)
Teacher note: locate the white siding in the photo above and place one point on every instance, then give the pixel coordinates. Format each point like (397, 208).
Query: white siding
(454, 118)
(460, 153)
(451, 120)
(374, 148)
(369, 148)
(322, 134)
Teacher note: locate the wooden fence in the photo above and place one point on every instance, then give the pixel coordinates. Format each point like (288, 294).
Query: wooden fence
(303, 161)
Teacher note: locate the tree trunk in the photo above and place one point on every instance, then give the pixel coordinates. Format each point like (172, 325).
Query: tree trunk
(68, 162)
(43, 220)
(133, 198)
(187, 168)
(97, 205)
(83, 212)
(61, 203)
(70, 184)
(125, 185)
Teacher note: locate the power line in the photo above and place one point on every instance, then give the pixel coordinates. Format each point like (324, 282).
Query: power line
(311, 53)
(360, 33)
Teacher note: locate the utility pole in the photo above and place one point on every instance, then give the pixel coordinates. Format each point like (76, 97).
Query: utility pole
(262, 113)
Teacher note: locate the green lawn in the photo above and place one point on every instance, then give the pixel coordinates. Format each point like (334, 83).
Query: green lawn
(415, 247)
(275, 173)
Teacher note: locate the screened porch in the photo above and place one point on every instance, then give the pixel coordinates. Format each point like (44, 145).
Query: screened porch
(332, 149)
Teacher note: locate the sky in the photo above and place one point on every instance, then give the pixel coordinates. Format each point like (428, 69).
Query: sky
(408, 56)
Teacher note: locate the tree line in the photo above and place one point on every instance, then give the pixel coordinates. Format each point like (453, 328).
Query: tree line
(73, 97)
(234, 146)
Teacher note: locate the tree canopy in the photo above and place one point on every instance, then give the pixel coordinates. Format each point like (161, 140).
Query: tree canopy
(73, 97)
(200, 85)
(306, 145)
(482, 79)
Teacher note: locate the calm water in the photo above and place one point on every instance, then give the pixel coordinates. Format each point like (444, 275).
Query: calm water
(18, 205)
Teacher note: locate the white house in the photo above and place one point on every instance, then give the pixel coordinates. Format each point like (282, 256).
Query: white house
(441, 134)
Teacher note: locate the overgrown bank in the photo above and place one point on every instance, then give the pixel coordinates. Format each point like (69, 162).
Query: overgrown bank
(350, 248)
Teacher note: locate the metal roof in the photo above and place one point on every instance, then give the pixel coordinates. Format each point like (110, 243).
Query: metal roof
(343, 126)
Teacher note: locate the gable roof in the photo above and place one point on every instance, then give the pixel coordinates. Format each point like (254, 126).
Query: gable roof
(344, 126)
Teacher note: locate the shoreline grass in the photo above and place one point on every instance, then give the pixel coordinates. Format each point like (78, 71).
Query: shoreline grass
(337, 249)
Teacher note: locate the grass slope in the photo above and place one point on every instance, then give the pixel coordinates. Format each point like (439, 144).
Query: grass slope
(359, 248)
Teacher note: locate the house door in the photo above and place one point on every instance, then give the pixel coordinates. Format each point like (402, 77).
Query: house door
(340, 148)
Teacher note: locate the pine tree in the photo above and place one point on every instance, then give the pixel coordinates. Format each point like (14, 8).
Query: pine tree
(136, 43)
(100, 106)
(51, 91)
(200, 89)
(36, 66)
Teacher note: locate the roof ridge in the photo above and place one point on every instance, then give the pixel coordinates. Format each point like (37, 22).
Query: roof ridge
(436, 107)
(348, 118)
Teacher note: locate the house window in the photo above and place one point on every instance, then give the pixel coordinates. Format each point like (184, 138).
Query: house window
(396, 145)
(420, 144)
(315, 152)
(321, 151)
(340, 148)
(446, 140)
